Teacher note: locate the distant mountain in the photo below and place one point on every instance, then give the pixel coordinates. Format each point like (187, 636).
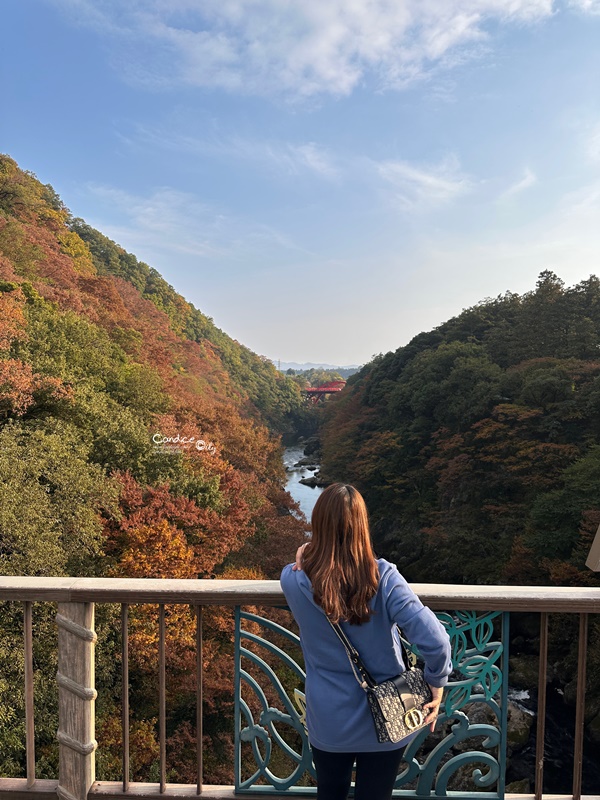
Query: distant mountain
(284, 365)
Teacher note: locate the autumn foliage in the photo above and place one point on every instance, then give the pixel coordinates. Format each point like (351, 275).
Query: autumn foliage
(477, 445)
(136, 440)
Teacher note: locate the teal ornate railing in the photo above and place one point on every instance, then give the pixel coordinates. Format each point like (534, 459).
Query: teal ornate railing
(272, 748)
(273, 756)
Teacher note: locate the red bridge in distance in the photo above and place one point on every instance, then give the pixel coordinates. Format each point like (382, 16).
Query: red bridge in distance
(316, 393)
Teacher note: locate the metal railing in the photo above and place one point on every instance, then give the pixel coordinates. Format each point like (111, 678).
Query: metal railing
(77, 597)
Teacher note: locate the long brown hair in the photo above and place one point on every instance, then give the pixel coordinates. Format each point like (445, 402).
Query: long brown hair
(339, 559)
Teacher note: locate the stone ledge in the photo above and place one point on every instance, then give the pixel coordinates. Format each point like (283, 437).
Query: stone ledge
(114, 791)
(16, 789)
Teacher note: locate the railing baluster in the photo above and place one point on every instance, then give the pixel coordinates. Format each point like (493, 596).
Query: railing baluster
(76, 700)
(162, 722)
(29, 718)
(199, 699)
(580, 707)
(505, 634)
(541, 708)
(125, 692)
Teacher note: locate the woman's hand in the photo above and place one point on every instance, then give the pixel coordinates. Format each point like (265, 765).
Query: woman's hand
(299, 551)
(433, 707)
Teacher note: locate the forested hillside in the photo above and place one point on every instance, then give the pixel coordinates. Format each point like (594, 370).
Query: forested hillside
(100, 360)
(477, 445)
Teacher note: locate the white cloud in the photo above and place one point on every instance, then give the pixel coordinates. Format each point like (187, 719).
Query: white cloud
(298, 48)
(168, 221)
(414, 187)
(589, 6)
(283, 157)
(287, 158)
(423, 188)
(529, 179)
(314, 158)
(166, 218)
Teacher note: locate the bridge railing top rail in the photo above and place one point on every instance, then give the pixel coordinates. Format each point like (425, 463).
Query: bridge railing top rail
(437, 596)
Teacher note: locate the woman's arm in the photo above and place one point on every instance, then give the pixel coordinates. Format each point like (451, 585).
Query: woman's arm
(420, 627)
(433, 707)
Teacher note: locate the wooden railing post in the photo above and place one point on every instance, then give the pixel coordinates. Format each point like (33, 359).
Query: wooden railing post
(76, 696)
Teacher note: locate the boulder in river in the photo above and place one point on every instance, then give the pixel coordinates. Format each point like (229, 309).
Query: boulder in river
(524, 671)
(307, 461)
(314, 481)
(519, 724)
(518, 727)
(312, 445)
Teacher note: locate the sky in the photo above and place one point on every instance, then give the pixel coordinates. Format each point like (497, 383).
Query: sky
(324, 178)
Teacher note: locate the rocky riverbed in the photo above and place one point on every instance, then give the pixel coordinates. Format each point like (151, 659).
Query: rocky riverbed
(302, 465)
(311, 459)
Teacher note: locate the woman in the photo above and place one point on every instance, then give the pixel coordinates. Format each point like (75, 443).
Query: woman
(336, 576)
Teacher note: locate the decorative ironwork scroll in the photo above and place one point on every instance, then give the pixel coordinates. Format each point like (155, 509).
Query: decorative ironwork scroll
(467, 753)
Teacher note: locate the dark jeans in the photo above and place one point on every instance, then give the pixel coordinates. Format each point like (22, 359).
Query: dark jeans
(375, 774)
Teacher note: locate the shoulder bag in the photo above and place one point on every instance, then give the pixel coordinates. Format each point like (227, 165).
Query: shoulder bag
(397, 703)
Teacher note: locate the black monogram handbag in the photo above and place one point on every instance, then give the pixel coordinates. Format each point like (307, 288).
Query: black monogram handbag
(397, 703)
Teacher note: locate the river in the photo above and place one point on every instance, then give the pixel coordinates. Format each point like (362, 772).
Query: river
(305, 496)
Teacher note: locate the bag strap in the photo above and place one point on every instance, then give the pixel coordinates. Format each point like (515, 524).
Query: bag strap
(367, 681)
(356, 661)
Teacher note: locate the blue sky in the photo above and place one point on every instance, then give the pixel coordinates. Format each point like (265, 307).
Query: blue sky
(324, 178)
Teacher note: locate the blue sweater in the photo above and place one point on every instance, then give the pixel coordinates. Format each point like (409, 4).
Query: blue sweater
(338, 718)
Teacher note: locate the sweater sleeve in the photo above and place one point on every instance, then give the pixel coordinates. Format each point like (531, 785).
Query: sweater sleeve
(286, 574)
(287, 581)
(420, 627)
